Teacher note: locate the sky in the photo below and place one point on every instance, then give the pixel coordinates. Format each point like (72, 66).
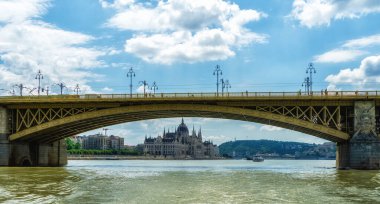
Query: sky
(259, 45)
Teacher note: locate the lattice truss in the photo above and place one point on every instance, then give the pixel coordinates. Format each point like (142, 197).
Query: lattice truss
(26, 118)
(335, 117)
(324, 115)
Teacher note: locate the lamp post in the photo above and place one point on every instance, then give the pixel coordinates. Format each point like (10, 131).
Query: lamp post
(61, 86)
(154, 87)
(39, 76)
(306, 84)
(223, 86)
(21, 88)
(77, 89)
(145, 84)
(310, 70)
(47, 89)
(227, 85)
(131, 74)
(217, 72)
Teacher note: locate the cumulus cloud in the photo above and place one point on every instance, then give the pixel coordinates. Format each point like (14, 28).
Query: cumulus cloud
(29, 44)
(312, 13)
(362, 77)
(184, 31)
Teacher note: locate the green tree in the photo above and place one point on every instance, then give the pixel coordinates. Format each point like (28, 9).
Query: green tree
(69, 144)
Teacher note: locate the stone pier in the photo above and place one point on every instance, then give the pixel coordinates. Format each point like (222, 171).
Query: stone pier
(342, 155)
(363, 149)
(28, 154)
(4, 133)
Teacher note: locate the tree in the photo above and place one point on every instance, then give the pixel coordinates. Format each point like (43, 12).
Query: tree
(69, 144)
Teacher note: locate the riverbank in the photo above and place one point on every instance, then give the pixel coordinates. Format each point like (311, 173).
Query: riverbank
(129, 157)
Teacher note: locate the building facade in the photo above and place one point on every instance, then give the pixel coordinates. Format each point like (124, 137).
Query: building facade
(100, 142)
(181, 144)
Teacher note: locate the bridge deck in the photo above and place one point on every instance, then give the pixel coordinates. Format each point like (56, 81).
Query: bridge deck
(235, 96)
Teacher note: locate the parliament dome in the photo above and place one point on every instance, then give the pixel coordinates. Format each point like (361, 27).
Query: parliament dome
(182, 128)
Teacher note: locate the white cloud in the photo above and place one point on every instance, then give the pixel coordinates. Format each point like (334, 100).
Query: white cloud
(363, 42)
(28, 45)
(107, 89)
(349, 50)
(270, 128)
(117, 4)
(364, 76)
(337, 56)
(21, 10)
(313, 13)
(184, 31)
(140, 89)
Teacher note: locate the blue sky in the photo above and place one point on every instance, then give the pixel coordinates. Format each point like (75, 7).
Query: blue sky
(260, 46)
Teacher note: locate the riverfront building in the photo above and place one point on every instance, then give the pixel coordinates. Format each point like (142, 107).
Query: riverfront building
(100, 141)
(181, 144)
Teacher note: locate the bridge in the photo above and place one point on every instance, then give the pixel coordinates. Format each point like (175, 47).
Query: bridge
(32, 128)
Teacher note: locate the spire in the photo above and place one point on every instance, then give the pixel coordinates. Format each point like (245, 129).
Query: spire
(182, 121)
(164, 133)
(200, 133)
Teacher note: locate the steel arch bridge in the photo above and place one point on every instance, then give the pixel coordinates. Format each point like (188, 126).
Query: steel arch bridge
(47, 119)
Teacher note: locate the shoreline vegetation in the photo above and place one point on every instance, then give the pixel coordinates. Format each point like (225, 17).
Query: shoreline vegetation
(270, 149)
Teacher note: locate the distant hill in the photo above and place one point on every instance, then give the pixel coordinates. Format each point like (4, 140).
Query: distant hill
(277, 149)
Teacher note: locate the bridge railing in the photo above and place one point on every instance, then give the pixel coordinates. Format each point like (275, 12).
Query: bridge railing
(246, 94)
(339, 94)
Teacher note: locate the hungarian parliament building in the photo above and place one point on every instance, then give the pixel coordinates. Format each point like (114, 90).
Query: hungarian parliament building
(181, 145)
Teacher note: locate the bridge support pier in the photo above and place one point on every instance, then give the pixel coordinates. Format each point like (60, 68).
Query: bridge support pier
(28, 154)
(34, 154)
(363, 149)
(4, 133)
(365, 155)
(342, 155)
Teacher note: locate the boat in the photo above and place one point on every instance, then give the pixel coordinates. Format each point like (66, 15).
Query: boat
(257, 159)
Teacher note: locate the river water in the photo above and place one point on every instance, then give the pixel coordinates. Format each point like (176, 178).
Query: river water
(216, 181)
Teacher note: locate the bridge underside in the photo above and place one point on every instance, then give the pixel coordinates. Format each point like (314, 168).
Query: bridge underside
(58, 129)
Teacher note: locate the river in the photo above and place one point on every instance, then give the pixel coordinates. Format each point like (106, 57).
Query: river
(216, 181)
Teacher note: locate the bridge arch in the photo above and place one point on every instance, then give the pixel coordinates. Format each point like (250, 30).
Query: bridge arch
(72, 125)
